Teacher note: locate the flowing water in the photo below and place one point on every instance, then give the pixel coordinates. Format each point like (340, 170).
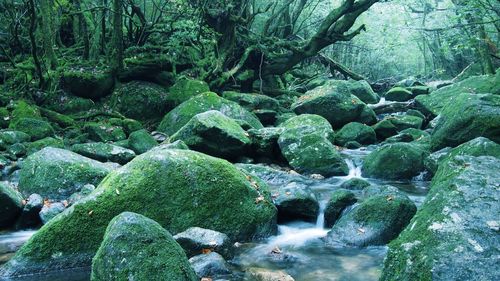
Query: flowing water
(297, 249)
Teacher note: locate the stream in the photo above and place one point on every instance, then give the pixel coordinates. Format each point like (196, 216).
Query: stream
(297, 249)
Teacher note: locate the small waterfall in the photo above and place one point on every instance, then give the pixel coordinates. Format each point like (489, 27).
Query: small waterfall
(354, 172)
(320, 221)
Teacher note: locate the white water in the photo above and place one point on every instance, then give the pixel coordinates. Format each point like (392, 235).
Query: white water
(10, 242)
(320, 221)
(354, 172)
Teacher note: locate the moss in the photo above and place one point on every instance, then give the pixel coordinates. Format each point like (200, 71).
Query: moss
(310, 123)
(141, 141)
(395, 161)
(406, 121)
(385, 129)
(185, 89)
(45, 142)
(355, 184)
(339, 200)
(104, 132)
(358, 132)
(128, 125)
(92, 83)
(11, 137)
(61, 119)
(36, 128)
(214, 133)
(398, 94)
(178, 117)
(4, 117)
(56, 173)
(177, 188)
(252, 101)
(24, 110)
(104, 152)
(11, 205)
(151, 252)
(363, 91)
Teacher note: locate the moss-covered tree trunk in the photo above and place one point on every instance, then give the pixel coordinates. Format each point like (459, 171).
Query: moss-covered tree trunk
(116, 52)
(48, 34)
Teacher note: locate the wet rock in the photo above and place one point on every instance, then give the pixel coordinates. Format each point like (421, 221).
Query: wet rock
(57, 173)
(104, 132)
(173, 145)
(85, 191)
(261, 274)
(466, 117)
(354, 184)
(402, 122)
(215, 134)
(50, 210)
(43, 143)
(252, 102)
(395, 161)
(305, 143)
(177, 188)
(333, 102)
(357, 132)
(209, 265)
(454, 235)
(271, 176)
(398, 94)
(183, 90)
(9, 137)
(30, 216)
(363, 91)
(339, 200)
(181, 115)
(17, 149)
(92, 83)
(138, 248)
(141, 141)
(10, 204)
(375, 221)
(385, 129)
(265, 142)
(195, 240)
(296, 202)
(104, 152)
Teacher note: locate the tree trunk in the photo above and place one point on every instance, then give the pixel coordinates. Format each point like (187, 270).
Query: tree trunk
(32, 29)
(47, 33)
(117, 37)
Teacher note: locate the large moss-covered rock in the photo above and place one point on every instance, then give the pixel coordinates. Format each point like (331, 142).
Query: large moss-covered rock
(180, 115)
(338, 202)
(104, 152)
(395, 161)
(215, 134)
(296, 202)
(104, 132)
(185, 89)
(141, 141)
(403, 122)
(11, 204)
(363, 91)
(138, 248)
(140, 100)
(177, 188)
(43, 143)
(265, 142)
(9, 137)
(306, 145)
(91, 83)
(398, 94)
(476, 147)
(57, 173)
(433, 104)
(252, 101)
(36, 128)
(333, 102)
(358, 132)
(375, 221)
(454, 235)
(466, 117)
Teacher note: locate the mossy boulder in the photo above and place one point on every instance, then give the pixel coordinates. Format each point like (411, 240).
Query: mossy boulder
(273, 177)
(140, 100)
(35, 146)
(57, 173)
(104, 132)
(375, 221)
(363, 91)
(11, 205)
(333, 102)
(477, 147)
(419, 90)
(252, 102)
(36, 128)
(150, 252)
(22, 109)
(402, 122)
(397, 161)
(306, 145)
(354, 184)
(177, 188)
(60, 119)
(296, 202)
(338, 202)
(4, 118)
(433, 103)
(454, 235)
(398, 94)
(183, 90)
(104, 152)
(9, 137)
(68, 104)
(358, 132)
(385, 129)
(215, 134)
(128, 125)
(181, 115)
(265, 142)
(141, 141)
(90, 83)
(410, 135)
(466, 117)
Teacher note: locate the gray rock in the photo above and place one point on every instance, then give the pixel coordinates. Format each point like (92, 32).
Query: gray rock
(10, 204)
(104, 152)
(30, 216)
(49, 211)
(209, 265)
(196, 239)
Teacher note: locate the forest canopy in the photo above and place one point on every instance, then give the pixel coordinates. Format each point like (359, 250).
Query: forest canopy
(249, 44)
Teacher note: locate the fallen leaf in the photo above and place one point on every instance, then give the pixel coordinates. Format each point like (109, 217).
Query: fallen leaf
(91, 212)
(361, 230)
(206, 251)
(390, 198)
(276, 250)
(259, 199)
(46, 203)
(24, 202)
(206, 279)
(288, 193)
(117, 191)
(65, 203)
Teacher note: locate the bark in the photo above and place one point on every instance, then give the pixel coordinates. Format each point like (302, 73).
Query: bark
(32, 29)
(48, 34)
(334, 65)
(117, 37)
